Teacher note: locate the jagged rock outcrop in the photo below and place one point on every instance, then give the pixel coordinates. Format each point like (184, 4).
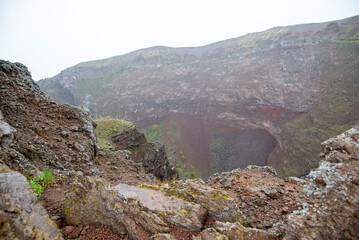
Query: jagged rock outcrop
(152, 155)
(287, 89)
(47, 135)
(332, 210)
(21, 215)
(327, 200)
(260, 194)
(36, 133)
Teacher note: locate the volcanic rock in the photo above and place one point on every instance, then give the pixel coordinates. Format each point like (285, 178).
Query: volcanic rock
(235, 231)
(152, 155)
(330, 212)
(95, 201)
(21, 215)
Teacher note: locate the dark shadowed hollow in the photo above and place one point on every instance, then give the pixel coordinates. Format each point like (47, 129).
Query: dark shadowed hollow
(197, 146)
(233, 149)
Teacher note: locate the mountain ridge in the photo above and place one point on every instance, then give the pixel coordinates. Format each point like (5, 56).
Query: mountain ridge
(282, 81)
(353, 18)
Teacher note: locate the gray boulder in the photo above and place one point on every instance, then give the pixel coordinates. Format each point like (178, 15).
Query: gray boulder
(21, 215)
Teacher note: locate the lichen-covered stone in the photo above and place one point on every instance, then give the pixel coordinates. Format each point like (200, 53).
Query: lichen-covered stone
(236, 231)
(93, 200)
(210, 234)
(219, 204)
(162, 236)
(21, 215)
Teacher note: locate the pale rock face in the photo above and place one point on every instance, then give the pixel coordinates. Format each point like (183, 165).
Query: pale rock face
(176, 211)
(20, 211)
(6, 133)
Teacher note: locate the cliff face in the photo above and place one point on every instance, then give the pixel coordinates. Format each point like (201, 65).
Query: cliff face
(45, 134)
(298, 85)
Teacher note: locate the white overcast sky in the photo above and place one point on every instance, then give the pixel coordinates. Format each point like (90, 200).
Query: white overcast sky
(51, 35)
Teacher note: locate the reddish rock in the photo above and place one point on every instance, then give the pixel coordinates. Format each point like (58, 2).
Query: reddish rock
(285, 210)
(320, 181)
(68, 230)
(274, 194)
(249, 188)
(355, 180)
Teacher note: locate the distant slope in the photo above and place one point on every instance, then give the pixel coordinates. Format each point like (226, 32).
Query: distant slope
(263, 98)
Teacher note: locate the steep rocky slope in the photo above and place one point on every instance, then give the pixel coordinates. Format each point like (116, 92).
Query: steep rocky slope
(264, 98)
(37, 134)
(44, 135)
(112, 197)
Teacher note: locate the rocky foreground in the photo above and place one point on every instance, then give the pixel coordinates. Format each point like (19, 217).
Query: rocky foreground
(133, 192)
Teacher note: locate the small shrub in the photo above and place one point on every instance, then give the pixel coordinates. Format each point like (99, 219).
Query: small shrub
(41, 182)
(152, 133)
(193, 175)
(39, 189)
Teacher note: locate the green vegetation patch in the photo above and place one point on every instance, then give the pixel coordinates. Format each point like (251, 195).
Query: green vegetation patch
(152, 133)
(108, 128)
(351, 32)
(149, 53)
(254, 39)
(41, 182)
